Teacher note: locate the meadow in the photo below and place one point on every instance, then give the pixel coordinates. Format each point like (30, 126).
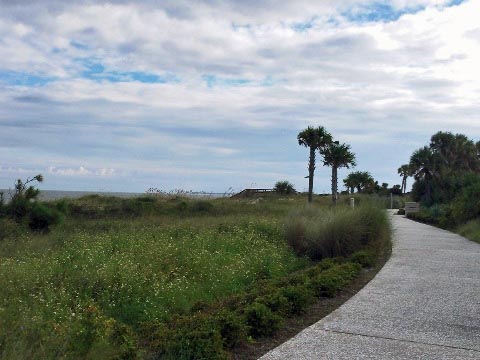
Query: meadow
(170, 277)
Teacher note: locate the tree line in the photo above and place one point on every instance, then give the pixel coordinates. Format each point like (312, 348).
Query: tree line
(446, 175)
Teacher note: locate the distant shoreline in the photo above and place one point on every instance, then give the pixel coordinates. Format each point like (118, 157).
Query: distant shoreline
(47, 195)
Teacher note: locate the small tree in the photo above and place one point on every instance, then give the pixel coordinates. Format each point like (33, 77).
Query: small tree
(284, 187)
(23, 196)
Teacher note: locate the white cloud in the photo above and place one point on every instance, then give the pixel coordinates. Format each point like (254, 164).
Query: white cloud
(364, 81)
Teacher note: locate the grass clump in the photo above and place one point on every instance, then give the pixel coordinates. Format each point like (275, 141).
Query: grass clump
(471, 230)
(322, 233)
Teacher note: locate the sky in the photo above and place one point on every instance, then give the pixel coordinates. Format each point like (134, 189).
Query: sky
(210, 95)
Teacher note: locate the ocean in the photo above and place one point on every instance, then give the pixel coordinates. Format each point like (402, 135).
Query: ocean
(47, 195)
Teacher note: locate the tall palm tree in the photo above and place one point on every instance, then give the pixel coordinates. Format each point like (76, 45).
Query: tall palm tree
(404, 172)
(314, 139)
(423, 166)
(337, 156)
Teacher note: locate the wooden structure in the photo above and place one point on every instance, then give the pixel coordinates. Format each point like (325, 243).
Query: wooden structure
(411, 207)
(252, 192)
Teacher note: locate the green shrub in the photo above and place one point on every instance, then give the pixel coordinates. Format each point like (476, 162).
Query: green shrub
(42, 217)
(364, 257)
(276, 302)
(18, 208)
(202, 206)
(471, 230)
(284, 187)
(299, 297)
(261, 320)
(232, 328)
(327, 283)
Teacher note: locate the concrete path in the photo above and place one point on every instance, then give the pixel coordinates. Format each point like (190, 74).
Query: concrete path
(423, 304)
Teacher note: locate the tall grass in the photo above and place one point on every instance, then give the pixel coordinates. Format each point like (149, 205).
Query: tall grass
(329, 232)
(90, 287)
(471, 230)
(83, 289)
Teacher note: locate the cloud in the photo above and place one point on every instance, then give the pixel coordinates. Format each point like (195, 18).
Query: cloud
(203, 89)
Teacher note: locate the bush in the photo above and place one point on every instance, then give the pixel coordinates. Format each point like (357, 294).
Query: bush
(41, 217)
(365, 258)
(284, 187)
(261, 320)
(299, 297)
(232, 328)
(202, 207)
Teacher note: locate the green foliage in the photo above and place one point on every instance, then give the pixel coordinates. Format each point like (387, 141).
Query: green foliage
(337, 156)
(150, 287)
(314, 139)
(362, 181)
(366, 258)
(455, 208)
(284, 187)
(470, 230)
(40, 217)
(261, 320)
(321, 233)
(299, 297)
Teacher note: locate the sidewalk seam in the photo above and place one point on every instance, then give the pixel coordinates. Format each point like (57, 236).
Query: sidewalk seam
(401, 340)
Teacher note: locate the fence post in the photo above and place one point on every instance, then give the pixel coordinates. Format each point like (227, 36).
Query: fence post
(352, 203)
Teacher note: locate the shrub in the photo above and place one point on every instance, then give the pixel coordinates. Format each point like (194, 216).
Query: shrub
(202, 207)
(284, 187)
(276, 302)
(299, 297)
(261, 320)
(232, 328)
(365, 258)
(41, 217)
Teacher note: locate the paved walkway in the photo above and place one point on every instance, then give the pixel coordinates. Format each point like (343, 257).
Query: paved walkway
(423, 304)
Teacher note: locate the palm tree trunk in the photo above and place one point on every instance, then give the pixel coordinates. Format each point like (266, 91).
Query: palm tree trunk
(334, 185)
(311, 170)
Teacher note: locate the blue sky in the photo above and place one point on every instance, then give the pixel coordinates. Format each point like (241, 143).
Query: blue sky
(121, 96)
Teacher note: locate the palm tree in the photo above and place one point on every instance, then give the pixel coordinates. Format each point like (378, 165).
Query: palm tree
(350, 183)
(337, 156)
(404, 172)
(314, 139)
(423, 167)
(360, 180)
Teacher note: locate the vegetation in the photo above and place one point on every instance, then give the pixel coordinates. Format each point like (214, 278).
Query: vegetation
(404, 172)
(284, 188)
(447, 181)
(337, 156)
(471, 230)
(322, 233)
(24, 207)
(362, 181)
(314, 139)
(97, 286)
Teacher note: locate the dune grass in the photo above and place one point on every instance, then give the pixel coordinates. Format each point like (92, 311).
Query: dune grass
(330, 232)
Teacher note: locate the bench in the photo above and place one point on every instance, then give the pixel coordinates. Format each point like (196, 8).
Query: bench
(412, 207)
